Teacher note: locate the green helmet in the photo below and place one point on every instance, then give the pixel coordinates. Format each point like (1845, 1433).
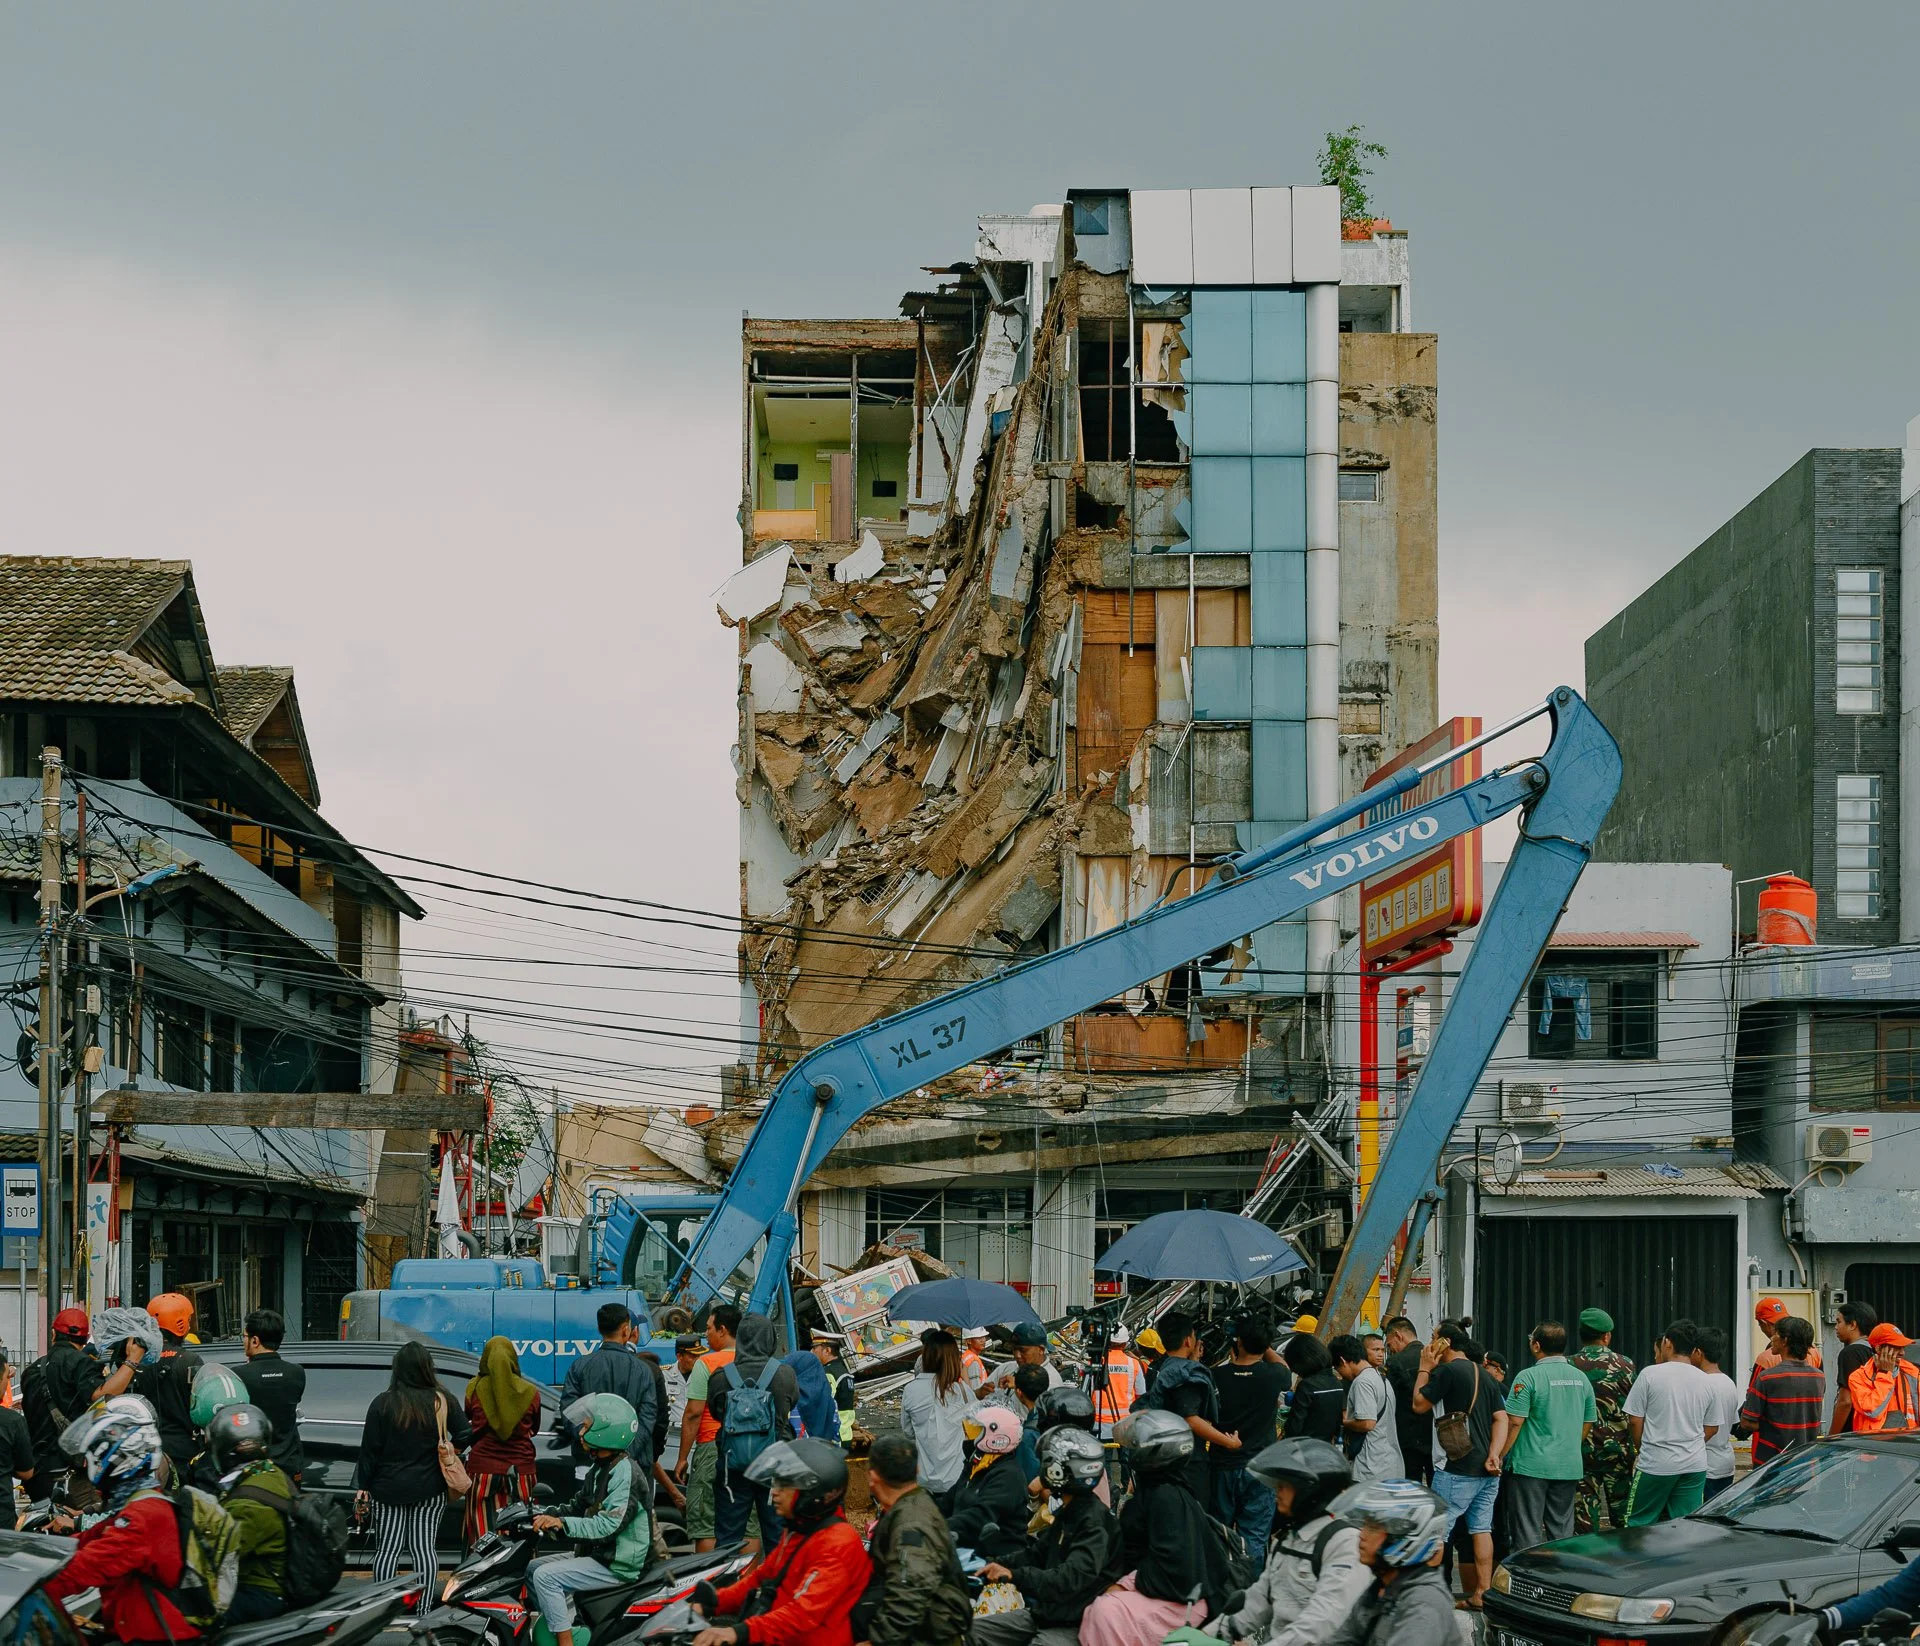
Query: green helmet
(608, 1423)
(214, 1390)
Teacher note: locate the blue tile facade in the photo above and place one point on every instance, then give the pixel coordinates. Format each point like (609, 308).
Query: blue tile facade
(1246, 429)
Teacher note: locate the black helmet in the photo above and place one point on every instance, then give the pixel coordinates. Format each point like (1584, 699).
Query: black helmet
(237, 1435)
(1071, 1460)
(814, 1468)
(1317, 1472)
(1067, 1404)
(1154, 1439)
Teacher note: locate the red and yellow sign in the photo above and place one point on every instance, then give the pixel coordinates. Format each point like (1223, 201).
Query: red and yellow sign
(1438, 893)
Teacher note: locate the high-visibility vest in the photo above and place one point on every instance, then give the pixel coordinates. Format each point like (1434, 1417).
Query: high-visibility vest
(972, 1368)
(1889, 1400)
(1123, 1388)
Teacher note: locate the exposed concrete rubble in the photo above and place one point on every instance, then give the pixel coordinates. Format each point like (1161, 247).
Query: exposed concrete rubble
(970, 729)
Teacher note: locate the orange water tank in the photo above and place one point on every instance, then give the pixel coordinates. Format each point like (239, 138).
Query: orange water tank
(1789, 908)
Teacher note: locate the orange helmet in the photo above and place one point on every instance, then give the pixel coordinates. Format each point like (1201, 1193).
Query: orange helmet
(172, 1313)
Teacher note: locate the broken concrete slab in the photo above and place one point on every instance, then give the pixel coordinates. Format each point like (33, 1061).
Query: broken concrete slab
(755, 589)
(868, 560)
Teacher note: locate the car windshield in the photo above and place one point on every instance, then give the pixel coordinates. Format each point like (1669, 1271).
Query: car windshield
(1832, 1491)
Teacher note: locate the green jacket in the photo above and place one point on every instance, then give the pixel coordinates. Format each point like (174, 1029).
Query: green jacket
(263, 1529)
(922, 1599)
(608, 1519)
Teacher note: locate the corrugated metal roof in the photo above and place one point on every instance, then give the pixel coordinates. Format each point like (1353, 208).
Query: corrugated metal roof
(1622, 940)
(1738, 1182)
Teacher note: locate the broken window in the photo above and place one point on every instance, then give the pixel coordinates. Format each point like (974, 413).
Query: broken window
(1108, 433)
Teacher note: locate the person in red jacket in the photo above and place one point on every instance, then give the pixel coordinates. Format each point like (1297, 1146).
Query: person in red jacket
(802, 1591)
(132, 1555)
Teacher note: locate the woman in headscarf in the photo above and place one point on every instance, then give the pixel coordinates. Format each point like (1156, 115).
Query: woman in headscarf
(504, 1409)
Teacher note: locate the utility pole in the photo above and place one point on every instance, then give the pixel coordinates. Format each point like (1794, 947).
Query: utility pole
(80, 987)
(52, 896)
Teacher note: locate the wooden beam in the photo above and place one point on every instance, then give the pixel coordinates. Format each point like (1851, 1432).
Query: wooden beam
(295, 1111)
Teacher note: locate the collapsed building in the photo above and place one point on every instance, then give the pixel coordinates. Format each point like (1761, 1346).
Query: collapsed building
(1111, 553)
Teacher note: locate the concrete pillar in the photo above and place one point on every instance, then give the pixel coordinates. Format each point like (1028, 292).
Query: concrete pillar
(1909, 686)
(1062, 1242)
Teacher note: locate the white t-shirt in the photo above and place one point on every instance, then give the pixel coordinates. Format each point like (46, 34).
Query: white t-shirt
(1723, 1411)
(1370, 1396)
(1671, 1399)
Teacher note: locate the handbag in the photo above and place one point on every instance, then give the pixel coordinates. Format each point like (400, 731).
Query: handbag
(452, 1470)
(1454, 1431)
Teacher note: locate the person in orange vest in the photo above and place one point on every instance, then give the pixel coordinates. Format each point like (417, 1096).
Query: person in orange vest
(973, 1368)
(1124, 1384)
(1769, 1312)
(1885, 1392)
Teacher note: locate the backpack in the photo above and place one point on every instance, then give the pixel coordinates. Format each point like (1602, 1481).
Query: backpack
(316, 1542)
(209, 1557)
(746, 1427)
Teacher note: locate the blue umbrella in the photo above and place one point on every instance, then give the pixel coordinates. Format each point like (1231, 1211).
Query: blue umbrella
(961, 1302)
(1201, 1245)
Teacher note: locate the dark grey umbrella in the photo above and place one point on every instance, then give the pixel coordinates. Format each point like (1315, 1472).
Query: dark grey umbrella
(961, 1302)
(1201, 1245)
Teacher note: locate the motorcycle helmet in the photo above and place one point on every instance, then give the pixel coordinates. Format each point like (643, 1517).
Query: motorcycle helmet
(1071, 1460)
(1414, 1519)
(1154, 1439)
(993, 1430)
(214, 1390)
(172, 1313)
(119, 1444)
(604, 1422)
(238, 1435)
(816, 1469)
(1316, 1471)
(1067, 1404)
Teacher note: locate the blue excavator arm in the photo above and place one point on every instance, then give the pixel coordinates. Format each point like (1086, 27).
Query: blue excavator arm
(1564, 794)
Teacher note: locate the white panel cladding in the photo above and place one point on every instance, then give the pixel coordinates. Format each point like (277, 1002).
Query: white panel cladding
(1162, 222)
(1273, 237)
(1316, 236)
(1222, 237)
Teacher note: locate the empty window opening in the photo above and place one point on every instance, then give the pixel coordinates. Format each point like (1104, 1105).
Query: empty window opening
(1857, 635)
(1856, 852)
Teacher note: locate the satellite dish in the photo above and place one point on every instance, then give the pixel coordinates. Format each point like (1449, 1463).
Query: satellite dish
(1509, 1154)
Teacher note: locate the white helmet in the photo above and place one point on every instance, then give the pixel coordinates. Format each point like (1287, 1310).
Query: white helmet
(119, 1442)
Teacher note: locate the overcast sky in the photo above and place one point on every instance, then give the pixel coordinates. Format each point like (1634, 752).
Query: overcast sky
(416, 329)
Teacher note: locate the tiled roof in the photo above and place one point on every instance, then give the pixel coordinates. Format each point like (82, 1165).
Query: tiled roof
(248, 692)
(70, 624)
(1622, 940)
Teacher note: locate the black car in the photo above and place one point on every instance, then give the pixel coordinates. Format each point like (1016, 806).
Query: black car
(343, 1378)
(1813, 1528)
(25, 1615)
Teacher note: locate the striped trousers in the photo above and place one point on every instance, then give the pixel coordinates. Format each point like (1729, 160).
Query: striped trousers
(406, 1531)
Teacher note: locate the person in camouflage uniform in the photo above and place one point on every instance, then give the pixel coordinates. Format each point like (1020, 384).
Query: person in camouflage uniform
(1608, 1456)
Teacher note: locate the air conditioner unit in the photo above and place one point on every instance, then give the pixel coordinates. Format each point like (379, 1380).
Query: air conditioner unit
(1833, 1145)
(1526, 1101)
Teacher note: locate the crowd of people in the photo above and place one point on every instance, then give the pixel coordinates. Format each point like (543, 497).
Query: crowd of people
(1287, 1494)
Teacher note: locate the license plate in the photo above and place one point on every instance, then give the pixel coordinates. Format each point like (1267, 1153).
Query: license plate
(1508, 1637)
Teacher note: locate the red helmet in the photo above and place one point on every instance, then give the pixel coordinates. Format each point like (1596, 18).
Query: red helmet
(72, 1323)
(172, 1313)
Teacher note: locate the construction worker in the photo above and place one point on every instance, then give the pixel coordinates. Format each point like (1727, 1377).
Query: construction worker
(1768, 1313)
(973, 1365)
(1885, 1392)
(1125, 1384)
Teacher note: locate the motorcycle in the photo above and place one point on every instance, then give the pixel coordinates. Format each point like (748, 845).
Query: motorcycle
(351, 1616)
(485, 1599)
(1803, 1629)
